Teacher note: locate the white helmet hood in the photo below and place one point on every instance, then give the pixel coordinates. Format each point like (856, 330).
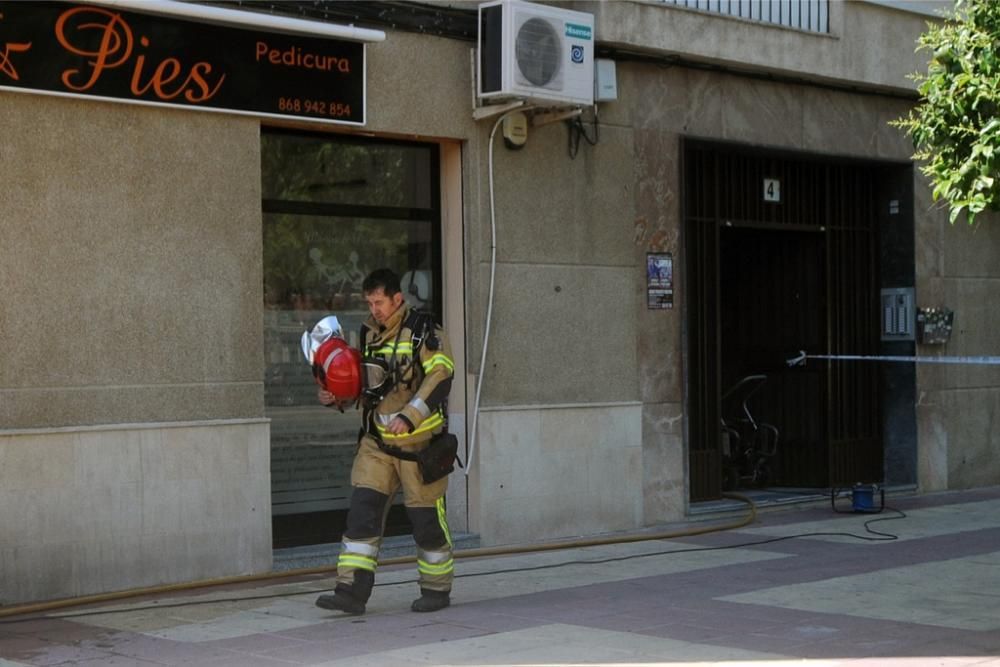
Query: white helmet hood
(327, 328)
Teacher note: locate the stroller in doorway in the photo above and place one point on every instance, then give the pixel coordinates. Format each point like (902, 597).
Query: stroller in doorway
(748, 445)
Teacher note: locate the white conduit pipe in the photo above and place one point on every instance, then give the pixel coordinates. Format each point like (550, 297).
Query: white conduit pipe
(489, 298)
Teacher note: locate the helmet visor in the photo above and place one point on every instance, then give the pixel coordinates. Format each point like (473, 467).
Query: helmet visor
(375, 373)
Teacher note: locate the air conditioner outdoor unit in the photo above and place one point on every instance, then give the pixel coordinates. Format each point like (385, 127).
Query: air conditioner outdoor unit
(535, 52)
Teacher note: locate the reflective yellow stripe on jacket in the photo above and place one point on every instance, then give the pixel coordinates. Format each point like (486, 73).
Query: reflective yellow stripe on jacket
(403, 347)
(432, 422)
(438, 360)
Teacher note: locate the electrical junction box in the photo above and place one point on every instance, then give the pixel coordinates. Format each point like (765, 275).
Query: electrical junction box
(605, 80)
(538, 53)
(515, 130)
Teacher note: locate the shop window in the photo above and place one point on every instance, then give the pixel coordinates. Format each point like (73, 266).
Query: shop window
(334, 209)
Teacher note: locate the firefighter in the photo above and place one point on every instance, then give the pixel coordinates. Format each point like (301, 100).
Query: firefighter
(407, 372)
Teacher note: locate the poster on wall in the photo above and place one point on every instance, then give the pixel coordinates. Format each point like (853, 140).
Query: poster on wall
(66, 49)
(659, 280)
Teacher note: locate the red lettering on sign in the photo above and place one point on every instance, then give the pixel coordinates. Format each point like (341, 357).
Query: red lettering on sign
(200, 81)
(167, 79)
(6, 66)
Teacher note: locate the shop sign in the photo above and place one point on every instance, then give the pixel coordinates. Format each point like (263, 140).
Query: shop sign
(91, 51)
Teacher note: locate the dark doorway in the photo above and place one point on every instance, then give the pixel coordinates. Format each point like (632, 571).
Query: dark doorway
(772, 287)
(783, 255)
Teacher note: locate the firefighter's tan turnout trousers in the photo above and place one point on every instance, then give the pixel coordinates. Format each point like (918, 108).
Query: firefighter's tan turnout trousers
(376, 476)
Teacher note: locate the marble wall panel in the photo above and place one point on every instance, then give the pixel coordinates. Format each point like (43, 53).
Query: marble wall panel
(556, 210)
(658, 196)
(657, 229)
(669, 98)
(762, 112)
(96, 510)
(50, 461)
(107, 457)
(33, 572)
(558, 471)
(930, 222)
(933, 442)
(110, 508)
(706, 104)
(133, 284)
(105, 565)
(971, 251)
(533, 193)
(959, 438)
(424, 86)
(561, 334)
(838, 122)
(974, 334)
(891, 142)
(660, 353)
(955, 268)
(664, 465)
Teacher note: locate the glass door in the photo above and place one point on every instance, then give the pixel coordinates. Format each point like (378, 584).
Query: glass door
(334, 209)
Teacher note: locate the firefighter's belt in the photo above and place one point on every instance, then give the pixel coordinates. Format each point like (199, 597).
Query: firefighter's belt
(435, 461)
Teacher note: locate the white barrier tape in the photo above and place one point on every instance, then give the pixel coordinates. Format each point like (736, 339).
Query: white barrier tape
(800, 360)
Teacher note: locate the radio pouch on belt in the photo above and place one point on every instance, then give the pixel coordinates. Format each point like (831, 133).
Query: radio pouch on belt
(438, 458)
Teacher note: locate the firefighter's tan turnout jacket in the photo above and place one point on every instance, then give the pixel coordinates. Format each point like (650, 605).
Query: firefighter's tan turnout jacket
(419, 395)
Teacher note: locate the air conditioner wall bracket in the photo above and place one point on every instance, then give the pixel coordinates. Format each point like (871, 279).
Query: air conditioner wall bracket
(491, 110)
(546, 117)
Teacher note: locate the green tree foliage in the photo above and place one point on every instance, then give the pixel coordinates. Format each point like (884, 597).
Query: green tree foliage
(955, 127)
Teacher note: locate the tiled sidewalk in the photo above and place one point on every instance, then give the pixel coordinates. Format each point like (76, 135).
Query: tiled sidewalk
(769, 596)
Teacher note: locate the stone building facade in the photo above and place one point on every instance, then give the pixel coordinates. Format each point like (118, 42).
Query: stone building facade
(139, 407)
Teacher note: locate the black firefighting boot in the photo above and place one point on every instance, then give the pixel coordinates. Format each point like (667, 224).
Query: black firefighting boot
(431, 600)
(350, 598)
(341, 600)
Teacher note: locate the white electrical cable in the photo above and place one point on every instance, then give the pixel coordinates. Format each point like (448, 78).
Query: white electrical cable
(489, 298)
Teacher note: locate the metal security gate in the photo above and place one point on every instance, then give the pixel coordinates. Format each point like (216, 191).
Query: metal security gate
(782, 255)
(855, 439)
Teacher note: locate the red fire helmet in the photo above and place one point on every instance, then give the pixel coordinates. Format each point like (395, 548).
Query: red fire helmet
(337, 368)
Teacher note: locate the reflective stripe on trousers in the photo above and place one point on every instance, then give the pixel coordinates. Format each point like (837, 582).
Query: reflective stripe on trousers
(437, 567)
(357, 555)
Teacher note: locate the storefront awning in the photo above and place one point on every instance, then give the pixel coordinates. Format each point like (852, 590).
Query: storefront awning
(233, 17)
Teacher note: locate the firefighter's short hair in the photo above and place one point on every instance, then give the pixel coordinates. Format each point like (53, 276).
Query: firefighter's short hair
(384, 279)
